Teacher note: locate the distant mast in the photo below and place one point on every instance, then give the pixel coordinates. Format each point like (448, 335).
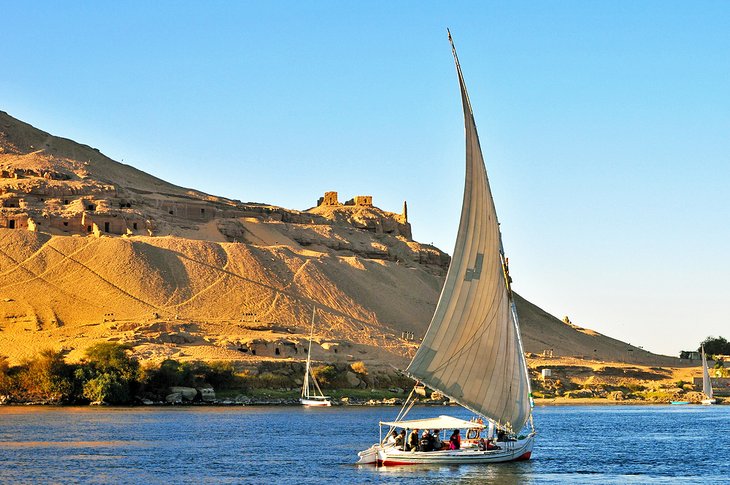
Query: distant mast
(706, 382)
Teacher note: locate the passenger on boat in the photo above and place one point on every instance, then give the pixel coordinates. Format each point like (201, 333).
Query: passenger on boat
(487, 445)
(412, 444)
(400, 440)
(455, 440)
(426, 443)
(390, 440)
(437, 444)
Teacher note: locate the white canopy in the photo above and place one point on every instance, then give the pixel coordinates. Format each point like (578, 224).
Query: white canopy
(442, 422)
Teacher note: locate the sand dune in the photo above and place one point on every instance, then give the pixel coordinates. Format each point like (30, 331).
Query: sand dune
(93, 250)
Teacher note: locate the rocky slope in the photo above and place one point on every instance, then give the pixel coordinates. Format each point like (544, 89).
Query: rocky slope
(91, 250)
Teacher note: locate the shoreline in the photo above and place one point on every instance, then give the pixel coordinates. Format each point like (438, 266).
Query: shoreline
(286, 402)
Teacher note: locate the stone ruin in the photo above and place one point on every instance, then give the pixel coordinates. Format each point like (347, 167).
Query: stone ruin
(361, 200)
(330, 199)
(385, 223)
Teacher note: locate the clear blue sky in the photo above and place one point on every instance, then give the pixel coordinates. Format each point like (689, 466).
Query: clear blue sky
(605, 127)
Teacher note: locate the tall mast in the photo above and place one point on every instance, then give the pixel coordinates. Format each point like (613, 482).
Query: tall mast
(305, 384)
(472, 351)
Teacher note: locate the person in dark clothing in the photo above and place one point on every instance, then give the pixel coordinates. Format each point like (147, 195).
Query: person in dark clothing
(426, 442)
(455, 440)
(412, 444)
(436, 440)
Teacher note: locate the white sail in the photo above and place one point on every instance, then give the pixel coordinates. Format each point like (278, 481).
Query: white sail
(311, 392)
(472, 350)
(706, 382)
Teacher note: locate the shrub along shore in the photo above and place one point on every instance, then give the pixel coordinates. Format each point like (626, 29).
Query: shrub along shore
(109, 374)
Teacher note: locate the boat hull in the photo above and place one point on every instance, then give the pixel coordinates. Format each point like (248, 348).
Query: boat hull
(390, 456)
(709, 402)
(315, 402)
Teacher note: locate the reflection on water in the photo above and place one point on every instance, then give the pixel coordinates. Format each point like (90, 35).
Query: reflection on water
(506, 473)
(587, 444)
(65, 444)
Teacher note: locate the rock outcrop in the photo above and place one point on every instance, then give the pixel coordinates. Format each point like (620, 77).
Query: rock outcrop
(94, 250)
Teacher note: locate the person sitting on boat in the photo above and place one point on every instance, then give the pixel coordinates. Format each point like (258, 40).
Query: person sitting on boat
(487, 445)
(390, 440)
(412, 444)
(400, 440)
(437, 444)
(426, 442)
(455, 440)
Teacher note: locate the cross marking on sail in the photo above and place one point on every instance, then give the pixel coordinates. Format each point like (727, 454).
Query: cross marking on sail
(475, 272)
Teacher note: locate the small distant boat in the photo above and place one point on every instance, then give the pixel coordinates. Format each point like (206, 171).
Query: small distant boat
(472, 351)
(706, 382)
(679, 402)
(312, 395)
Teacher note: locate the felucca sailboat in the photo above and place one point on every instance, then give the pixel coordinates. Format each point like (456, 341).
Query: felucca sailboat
(472, 351)
(706, 382)
(311, 393)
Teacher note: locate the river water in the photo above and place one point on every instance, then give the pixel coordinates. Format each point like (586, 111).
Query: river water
(575, 444)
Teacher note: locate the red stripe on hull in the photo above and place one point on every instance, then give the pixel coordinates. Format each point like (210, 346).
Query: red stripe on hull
(395, 463)
(523, 457)
(526, 456)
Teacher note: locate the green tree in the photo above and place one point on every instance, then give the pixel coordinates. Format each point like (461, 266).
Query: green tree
(45, 378)
(158, 379)
(107, 388)
(715, 346)
(108, 374)
(325, 374)
(6, 381)
(220, 375)
(110, 357)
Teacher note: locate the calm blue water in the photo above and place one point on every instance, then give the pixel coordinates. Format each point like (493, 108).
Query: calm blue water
(586, 444)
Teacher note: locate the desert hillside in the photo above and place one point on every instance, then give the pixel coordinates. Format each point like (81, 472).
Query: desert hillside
(94, 250)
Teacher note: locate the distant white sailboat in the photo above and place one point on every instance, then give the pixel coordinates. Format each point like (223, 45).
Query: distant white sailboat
(311, 393)
(472, 352)
(706, 382)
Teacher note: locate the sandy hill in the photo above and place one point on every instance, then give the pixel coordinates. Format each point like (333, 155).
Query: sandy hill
(94, 250)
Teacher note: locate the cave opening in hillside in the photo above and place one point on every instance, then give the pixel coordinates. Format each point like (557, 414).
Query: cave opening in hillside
(11, 224)
(106, 227)
(277, 351)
